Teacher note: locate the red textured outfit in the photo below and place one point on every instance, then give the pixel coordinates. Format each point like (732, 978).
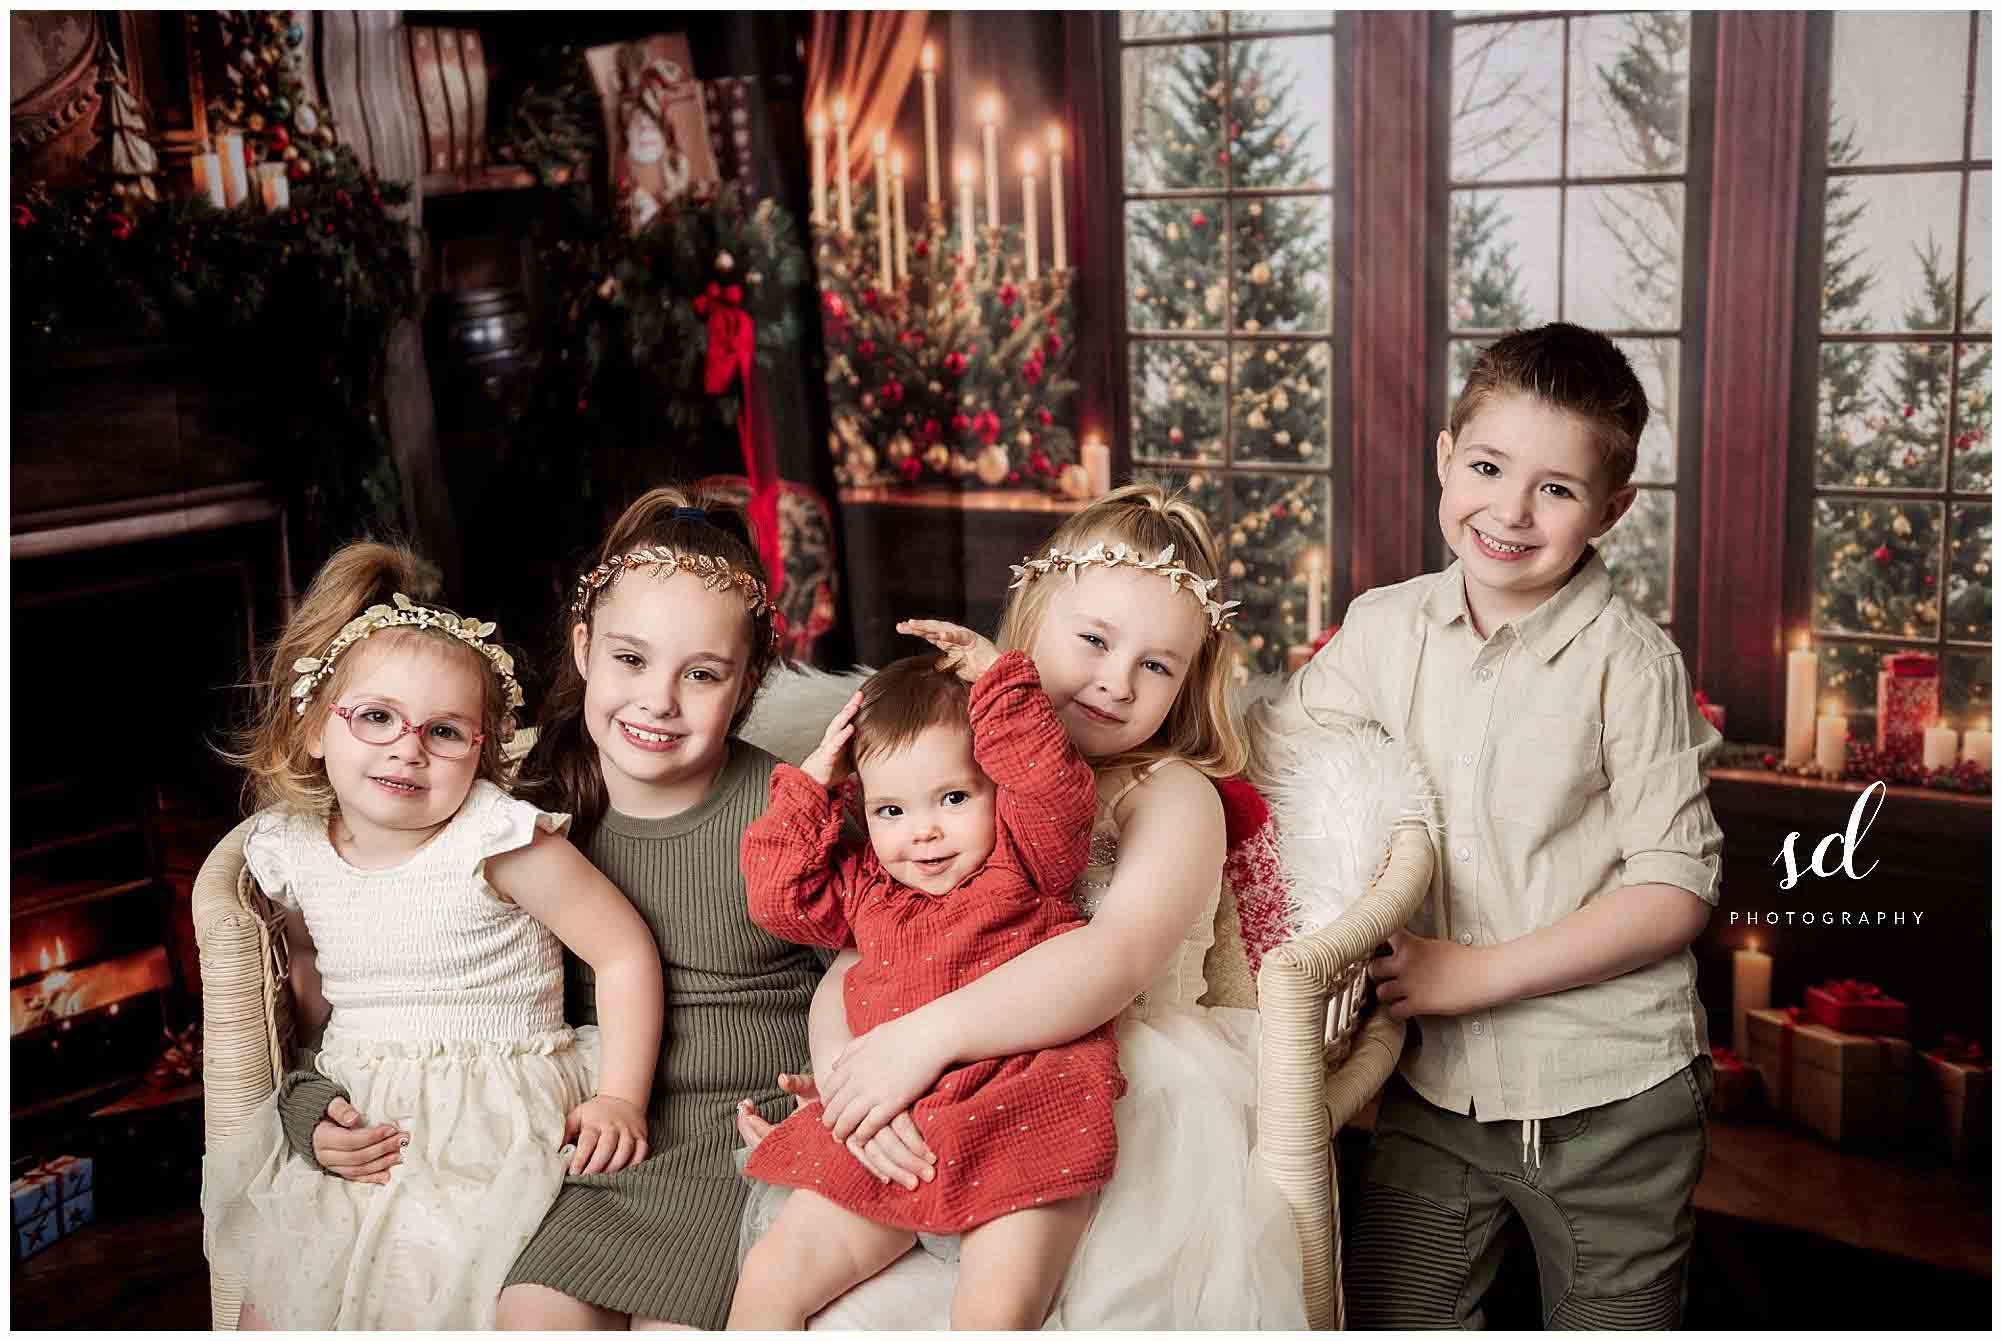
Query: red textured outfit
(1009, 1132)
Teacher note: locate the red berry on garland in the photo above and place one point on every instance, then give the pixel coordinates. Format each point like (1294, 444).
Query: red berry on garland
(931, 428)
(867, 349)
(1014, 323)
(912, 467)
(1032, 372)
(279, 139)
(1053, 343)
(1908, 412)
(1199, 220)
(893, 393)
(1007, 295)
(1175, 436)
(955, 363)
(923, 248)
(1930, 580)
(1043, 418)
(1769, 760)
(1014, 477)
(1882, 554)
(960, 423)
(869, 299)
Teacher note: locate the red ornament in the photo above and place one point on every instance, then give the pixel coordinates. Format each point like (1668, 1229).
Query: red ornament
(121, 225)
(1014, 477)
(867, 349)
(1882, 554)
(1930, 579)
(1175, 436)
(1278, 511)
(1769, 759)
(988, 426)
(835, 307)
(955, 363)
(912, 467)
(1007, 295)
(1043, 417)
(1014, 323)
(931, 428)
(1032, 372)
(1908, 412)
(923, 248)
(1053, 342)
(296, 170)
(582, 405)
(869, 299)
(960, 423)
(1199, 220)
(279, 139)
(893, 393)
(734, 295)
(23, 216)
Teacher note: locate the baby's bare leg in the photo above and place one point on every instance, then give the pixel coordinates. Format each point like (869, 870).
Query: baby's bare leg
(810, 1256)
(1010, 1267)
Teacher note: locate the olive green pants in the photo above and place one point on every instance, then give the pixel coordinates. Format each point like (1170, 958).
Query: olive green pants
(1604, 1192)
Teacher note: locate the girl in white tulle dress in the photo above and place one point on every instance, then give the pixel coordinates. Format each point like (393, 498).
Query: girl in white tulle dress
(1121, 620)
(426, 911)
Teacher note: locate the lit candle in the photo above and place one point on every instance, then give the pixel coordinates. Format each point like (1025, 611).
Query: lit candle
(1942, 746)
(990, 117)
(931, 126)
(1313, 594)
(235, 178)
(1979, 746)
(1801, 670)
(841, 165)
(1097, 460)
(897, 209)
(1059, 257)
(965, 213)
(208, 178)
(272, 189)
(819, 168)
(882, 149)
(1029, 213)
(1831, 742)
(1751, 989)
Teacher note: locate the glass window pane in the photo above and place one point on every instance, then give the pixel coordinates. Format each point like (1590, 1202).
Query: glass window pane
(1876, 565)
(1507, 97)
(1966, 697)
(1970, 581)
(1174, 265)
(1975, 307)
(1174, 127)
(1167, 22)
(1245, 19)
(1901, 80)
(1274, 520)
(1279, 406)
(1281, 254)
(1640, 549)
(1984, 133)
(1901, 231)
(1623, 257)
(1282, 112)
(1658, 364)
(1503, 259)
(1883, 416)
(1177, 403)
(1629, 94)
(1973, 443)
(1848, 684)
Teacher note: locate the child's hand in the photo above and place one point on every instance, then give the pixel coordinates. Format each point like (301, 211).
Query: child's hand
(878, 1076)
(1422, 976)
(348, 1147)
(609, 1132)
(897, 1154)
(751, 1124)
(828, 764)
(965, 651)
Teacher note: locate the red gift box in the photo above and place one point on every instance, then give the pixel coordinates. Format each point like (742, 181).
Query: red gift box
(1854, 1007)
(1852, 1089)
(1962, 1086)
(1734, 1083)
(1907, 699)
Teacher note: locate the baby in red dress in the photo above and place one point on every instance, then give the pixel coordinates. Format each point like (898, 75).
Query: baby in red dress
(979, 813)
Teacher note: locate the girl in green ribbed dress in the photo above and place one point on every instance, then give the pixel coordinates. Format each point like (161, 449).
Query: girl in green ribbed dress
(670, 636)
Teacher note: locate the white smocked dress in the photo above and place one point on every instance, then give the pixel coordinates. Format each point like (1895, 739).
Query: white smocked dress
(1189, 1234)
(447, 1018)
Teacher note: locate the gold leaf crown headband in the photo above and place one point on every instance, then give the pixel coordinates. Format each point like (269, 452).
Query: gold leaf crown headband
(715, 572)
(407, 613)
(1220, 614)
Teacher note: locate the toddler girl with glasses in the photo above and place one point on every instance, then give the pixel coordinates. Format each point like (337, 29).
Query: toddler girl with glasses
(426, 912)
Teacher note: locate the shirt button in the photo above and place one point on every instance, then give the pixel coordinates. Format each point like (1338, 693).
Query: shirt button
(1477, 1028)
(1464, 854)
(1467, 758)
(1483, 674)
(1466, 938)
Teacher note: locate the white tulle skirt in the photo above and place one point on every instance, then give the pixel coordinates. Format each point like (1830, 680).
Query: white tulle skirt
(431, 1248)
(1187, 1235)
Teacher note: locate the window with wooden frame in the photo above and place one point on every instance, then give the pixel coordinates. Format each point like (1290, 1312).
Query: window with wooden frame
(1575, 167)
(1893, 386)
(1232, 209)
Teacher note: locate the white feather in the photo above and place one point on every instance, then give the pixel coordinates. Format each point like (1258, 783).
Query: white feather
(794, 706)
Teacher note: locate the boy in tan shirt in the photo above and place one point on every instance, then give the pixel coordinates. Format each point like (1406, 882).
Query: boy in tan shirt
(1562, 1071)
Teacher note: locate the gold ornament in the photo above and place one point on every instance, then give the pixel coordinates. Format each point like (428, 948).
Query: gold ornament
(992, 465)
(899, 450)
(1074, 482)
(1236, 568)
(1261, 274)
(937, 457)
(1217, 373)
(962, 465)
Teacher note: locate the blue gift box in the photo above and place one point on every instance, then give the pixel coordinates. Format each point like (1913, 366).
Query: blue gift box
(37, 1232)
(76, 1172)
(51, 1201)
(78, 1211)
(35, 1193)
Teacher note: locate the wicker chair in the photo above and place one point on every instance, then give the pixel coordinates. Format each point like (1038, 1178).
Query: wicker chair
(1320, 1057)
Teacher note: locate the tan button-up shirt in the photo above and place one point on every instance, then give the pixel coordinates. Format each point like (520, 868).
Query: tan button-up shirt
(1568, 758)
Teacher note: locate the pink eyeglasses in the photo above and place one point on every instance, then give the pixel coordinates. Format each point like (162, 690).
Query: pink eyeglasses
(441, 737)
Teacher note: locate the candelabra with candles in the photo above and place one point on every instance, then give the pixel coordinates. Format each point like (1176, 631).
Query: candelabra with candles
(949, 341)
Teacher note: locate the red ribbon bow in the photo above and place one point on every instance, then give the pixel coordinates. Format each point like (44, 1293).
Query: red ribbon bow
(1725, 1059)
(1960, 1051)
(733, 346)
(1849, 989)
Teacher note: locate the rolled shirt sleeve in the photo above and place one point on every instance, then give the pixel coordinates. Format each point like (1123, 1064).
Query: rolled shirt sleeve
(1656, 747)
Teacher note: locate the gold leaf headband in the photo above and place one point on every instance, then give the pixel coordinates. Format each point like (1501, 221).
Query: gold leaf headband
(407, 613)
(715, 572)
(1220, 614)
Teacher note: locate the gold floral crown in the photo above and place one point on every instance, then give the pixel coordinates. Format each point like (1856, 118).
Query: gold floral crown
(715, 572)
(407, 613)
(1220, 614)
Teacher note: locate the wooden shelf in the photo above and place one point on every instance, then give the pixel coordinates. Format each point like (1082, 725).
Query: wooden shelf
(493, 177)
(938, 496)
(1787, 786)
(76, 840)
(48, 898)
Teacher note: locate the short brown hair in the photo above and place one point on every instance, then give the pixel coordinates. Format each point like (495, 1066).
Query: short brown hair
(904, 700)
(1569, 368)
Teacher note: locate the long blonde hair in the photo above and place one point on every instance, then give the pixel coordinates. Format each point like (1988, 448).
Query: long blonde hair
(1199, 728)
(272, 747)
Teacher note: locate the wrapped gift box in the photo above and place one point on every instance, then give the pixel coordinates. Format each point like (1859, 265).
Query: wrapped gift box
(1962, 1085)
(1907, 699)
(36, 1193)
(52, 1201)
(1735, 1084)
(1852, 1088)
(1851, 1007)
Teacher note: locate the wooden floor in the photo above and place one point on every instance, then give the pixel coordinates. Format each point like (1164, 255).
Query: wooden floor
(1790, 1233)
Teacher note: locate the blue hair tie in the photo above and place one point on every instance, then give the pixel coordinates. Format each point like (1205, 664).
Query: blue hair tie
(689, 514)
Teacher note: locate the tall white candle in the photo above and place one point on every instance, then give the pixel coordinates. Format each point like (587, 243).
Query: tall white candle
(1751, 989)
(1313, 595)
(1097, 460)
(208, 178)
(273, 191)
(819, 168)
(1801, 670)
(1978, 747)
(990, 116)
(841, 165)
(1831, 742)
(897, 209)
(886, 274)
(235, 177)
(1029, 214)
(1059, 257)
(966, 214)
(931, 127)
(1942, 746)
